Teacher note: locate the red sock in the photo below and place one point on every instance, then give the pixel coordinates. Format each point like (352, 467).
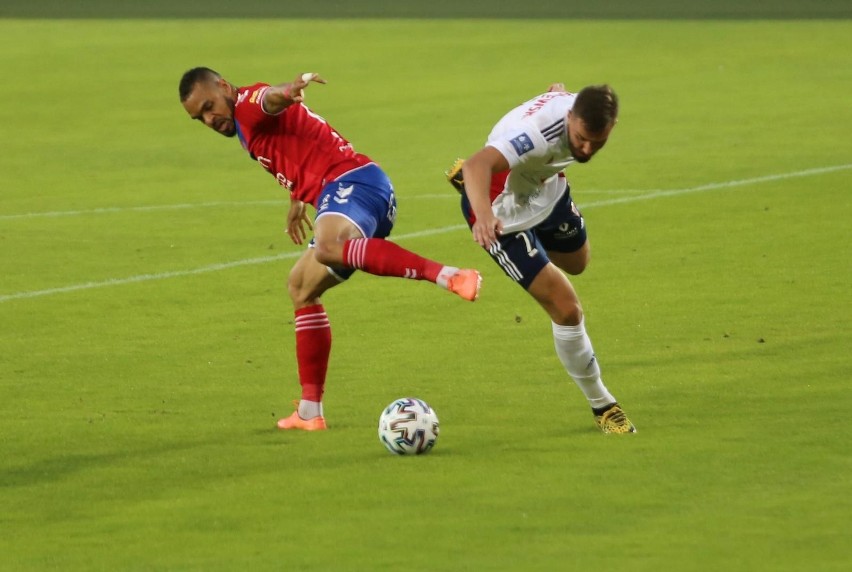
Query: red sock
(313, 346)
(384, 258)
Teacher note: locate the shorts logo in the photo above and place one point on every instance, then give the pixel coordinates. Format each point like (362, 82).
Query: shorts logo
(522, 143)
(566, 231)
(323, 205)
(343, 193)
(392, 209)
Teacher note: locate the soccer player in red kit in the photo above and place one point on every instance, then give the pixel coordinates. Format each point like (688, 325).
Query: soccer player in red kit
(354, 202)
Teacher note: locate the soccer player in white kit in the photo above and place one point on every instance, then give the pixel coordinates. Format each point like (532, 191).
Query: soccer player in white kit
(518, 204)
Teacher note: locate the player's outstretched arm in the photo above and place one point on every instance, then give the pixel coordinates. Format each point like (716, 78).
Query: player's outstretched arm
(279, 97)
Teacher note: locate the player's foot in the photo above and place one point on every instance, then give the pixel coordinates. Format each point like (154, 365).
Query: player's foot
(614, 420)
(455, 177)
(296, 422)
(465, 283)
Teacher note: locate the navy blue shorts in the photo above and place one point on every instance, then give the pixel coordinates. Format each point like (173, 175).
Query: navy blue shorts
(523, 254)
(365, 197)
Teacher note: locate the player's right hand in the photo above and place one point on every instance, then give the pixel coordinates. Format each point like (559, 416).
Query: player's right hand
(297, 220)
(486, 230)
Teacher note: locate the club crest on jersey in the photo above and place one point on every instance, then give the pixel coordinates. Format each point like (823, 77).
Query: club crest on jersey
(522, 143)
(343, 193)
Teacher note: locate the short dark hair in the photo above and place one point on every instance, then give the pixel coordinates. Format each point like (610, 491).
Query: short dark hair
(194, 76)
(597, 107)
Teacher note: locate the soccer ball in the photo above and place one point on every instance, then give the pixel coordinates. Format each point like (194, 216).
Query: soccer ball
(408, 426)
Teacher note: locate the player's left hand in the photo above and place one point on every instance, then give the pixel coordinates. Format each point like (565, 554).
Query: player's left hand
(556, 87)
(296, 89)
(297, 220)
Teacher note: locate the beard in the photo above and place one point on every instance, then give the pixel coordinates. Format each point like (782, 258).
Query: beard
(578, 157)
(227, 127)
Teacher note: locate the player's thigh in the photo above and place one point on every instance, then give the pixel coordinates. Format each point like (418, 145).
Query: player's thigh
(361, 204)
(309, 279)
(563, 235)
(333, 229)
(523, 258)
(571, 262)
(520, 255)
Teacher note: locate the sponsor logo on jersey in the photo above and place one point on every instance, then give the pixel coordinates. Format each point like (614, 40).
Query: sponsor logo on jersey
(526, 199)
(522, 143)
(254, 96)
(284, 181)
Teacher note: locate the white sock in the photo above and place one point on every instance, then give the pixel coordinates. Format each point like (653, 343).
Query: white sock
(444, 275)
(310, 409)
(574, 349)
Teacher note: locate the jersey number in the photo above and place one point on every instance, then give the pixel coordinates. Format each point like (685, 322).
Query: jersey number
(531, 250)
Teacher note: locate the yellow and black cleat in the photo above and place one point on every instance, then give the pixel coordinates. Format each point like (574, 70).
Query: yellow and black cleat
(455, 176)
(614, 420)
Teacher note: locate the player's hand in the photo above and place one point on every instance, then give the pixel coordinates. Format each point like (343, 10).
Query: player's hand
(486, 230)
(297, 220)
(295, 92)
(557, 87)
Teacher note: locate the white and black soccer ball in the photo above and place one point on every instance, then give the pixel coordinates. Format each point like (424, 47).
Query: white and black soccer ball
(408, 426)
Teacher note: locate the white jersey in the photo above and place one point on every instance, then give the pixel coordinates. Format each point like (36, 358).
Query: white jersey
(533, 138)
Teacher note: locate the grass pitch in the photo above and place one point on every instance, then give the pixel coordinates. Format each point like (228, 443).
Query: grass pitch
(147, 347)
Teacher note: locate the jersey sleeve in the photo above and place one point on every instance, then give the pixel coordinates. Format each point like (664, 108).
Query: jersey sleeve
(520, 144)
(249, 108)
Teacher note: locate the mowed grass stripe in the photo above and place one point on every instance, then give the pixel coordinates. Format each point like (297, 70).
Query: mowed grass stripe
(430, 232)
(646, 194)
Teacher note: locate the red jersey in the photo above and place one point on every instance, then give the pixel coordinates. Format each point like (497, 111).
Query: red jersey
(296, 146)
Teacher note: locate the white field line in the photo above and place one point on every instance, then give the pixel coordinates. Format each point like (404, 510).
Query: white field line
(454, 195)
(652, 194)
(108, 210)
(450, 194)
(657, 193)
(194, 271)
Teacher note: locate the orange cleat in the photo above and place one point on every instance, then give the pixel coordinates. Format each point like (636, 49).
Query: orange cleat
(296, 422)
(465, 283)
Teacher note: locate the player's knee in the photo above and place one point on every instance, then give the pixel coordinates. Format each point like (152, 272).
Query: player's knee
(294, 287)
(576, 266)
(329, 253)
(567, 313)
(301, 293)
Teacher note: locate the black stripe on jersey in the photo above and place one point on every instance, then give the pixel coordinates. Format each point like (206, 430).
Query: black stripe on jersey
(554, 131)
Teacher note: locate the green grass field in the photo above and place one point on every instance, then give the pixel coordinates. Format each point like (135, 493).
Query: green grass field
(146, 347)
